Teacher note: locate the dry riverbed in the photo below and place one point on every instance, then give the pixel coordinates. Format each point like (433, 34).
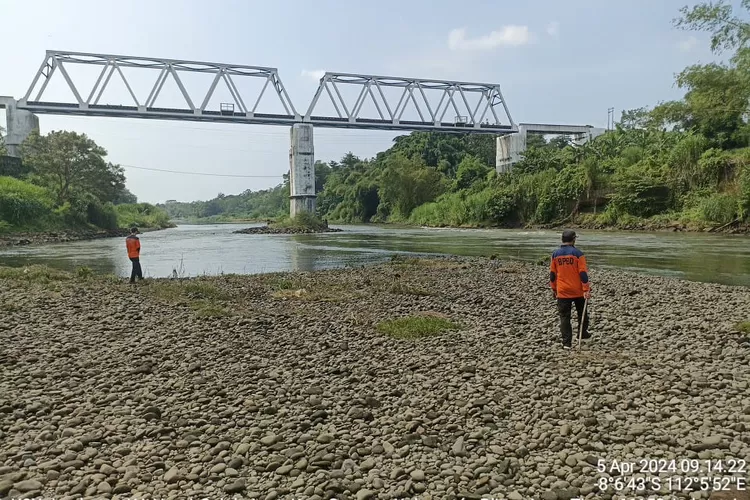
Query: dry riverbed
(294, 384)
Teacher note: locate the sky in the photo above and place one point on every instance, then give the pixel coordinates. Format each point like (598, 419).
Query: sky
(554, 64)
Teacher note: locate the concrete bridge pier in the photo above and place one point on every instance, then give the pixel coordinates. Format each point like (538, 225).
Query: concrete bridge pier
(19, 124)
(302, 170)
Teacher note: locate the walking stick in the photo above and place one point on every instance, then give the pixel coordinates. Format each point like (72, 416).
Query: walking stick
(583, 321)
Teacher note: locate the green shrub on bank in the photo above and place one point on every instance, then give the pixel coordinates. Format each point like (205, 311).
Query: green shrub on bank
(27, 207)
(34, 274)
(302, 220)
(142, 215)
(84, 210)
(22, 203)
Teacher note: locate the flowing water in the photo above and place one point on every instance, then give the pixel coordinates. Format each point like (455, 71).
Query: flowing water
(192, 250)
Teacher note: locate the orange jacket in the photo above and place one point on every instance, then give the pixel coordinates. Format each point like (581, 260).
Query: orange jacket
(568, 275)
(134, 246)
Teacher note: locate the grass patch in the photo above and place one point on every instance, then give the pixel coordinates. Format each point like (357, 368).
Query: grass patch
(281, 283)
(84, 272)
(320, 293)
(415, 327)
(743, 327)
(205, 309)
(34, 274)
(204, 298)
(291, 293)
(544, 260)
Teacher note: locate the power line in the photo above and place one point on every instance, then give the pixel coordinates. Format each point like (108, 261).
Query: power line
(203, 173)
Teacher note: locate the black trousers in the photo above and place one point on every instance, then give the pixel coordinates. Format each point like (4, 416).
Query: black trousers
(136, 272)
(564, 307)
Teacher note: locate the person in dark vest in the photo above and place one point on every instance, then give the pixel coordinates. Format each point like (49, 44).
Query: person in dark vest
(569, 280)
(133, 245)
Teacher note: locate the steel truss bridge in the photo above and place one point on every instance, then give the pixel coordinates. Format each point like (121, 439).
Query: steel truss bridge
(441, 105)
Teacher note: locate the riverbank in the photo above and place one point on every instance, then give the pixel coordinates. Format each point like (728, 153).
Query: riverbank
(649, 225)
(292, 383)
(632, 225)
(64, 236)
(643, 225)
(286, 230)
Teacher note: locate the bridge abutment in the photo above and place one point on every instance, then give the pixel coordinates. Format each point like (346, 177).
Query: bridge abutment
(510, 148)
(301, 170)
(19, 125)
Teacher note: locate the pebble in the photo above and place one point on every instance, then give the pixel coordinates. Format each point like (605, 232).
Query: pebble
(302, 395)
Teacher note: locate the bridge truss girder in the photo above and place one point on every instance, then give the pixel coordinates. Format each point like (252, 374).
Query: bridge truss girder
(490, 107)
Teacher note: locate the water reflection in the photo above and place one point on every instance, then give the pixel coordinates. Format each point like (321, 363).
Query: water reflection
(214, 249)
(63, 256)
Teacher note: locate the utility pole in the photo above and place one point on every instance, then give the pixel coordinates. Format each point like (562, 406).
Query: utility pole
(610, 118)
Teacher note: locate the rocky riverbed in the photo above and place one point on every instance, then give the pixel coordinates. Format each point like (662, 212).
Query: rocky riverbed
(285, 230)
(283, 386)
(63, 236)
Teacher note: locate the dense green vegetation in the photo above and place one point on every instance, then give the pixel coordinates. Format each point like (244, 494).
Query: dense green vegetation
(300, 221)
(64, 182)
(685, 162)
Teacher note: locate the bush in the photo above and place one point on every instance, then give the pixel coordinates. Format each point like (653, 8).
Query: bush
(500, 205)
(719, 208)
(303, 220)
(142, 215)
(744, 191)
(639, 192)
(103, 216)
(23, 203)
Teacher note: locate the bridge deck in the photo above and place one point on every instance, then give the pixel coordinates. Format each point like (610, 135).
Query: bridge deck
(57, 108)
(545, 128)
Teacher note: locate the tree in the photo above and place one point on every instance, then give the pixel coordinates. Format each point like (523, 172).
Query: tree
(322, 171)
(470, 170)
(125, 197)
(407, 183)
(635, 118)
(559, 142)
(3, 151)
(728, 31)
(715, 104)
(483, 147)
(71, 164)
(535, 141)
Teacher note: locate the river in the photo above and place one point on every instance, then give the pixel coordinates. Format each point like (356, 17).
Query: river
(193, 250)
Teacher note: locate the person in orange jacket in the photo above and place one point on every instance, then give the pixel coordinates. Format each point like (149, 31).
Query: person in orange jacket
(133, 245)
(569, 280)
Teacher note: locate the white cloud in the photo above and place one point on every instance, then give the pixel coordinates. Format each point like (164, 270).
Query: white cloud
(508, 35)
(553, 28)
(315, 74)
(688, 44)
